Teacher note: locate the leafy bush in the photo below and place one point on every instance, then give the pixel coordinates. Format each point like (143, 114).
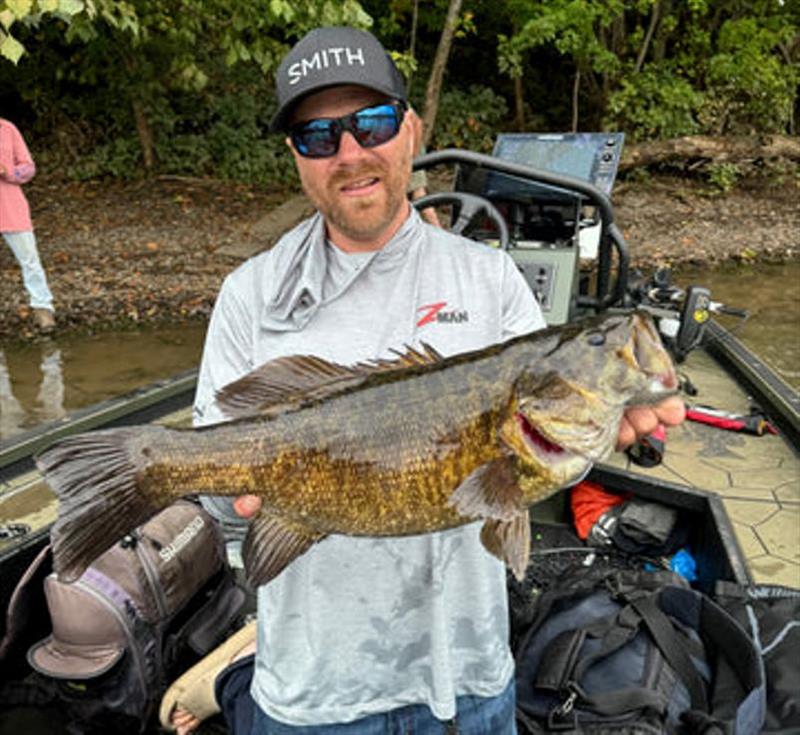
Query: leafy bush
(469, 119)
(724, 176)
(752, 88)
(119, 158)
(221, 133)
(654, 104)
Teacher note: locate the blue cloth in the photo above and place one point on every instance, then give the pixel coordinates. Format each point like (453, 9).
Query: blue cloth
(23, 245)
(475, 715)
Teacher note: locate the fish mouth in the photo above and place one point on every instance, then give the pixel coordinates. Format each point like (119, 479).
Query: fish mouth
(542, 447)
(649, 354)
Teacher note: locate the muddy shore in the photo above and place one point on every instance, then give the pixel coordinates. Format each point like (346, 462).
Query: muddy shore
(118, 255)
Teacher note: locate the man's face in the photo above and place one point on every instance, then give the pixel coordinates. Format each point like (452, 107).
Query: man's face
(361, 192)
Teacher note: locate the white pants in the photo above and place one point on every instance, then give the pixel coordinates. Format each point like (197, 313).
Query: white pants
(23, 245)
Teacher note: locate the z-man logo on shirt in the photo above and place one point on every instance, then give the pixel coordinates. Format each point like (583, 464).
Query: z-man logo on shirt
(435, 313)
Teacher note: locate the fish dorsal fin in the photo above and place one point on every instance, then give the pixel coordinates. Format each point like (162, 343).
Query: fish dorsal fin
(271, 544)
(410, 357)
(289, 381)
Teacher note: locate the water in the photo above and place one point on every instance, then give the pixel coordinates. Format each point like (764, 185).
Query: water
(771, 293)
(45, 381)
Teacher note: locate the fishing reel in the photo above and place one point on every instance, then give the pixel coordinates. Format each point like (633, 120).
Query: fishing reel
(681, 315)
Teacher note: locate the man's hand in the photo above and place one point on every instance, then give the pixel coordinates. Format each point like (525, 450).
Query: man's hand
(643, 420)
(246, 506)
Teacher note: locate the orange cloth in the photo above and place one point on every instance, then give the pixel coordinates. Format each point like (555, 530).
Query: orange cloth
(589, 501)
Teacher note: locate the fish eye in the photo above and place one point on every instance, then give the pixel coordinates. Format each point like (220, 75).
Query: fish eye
(596, 339)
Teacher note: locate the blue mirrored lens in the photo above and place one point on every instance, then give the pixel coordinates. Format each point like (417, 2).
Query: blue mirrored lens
(375, 125)
(371, 127)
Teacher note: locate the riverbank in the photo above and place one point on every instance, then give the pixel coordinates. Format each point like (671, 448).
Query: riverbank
(118, 255)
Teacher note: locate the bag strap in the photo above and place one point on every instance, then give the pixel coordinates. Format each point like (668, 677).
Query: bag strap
(672, 647)
(562, 670)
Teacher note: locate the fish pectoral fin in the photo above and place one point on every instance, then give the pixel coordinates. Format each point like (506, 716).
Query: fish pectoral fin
(271, 544)
(509, 541)
(490, 491)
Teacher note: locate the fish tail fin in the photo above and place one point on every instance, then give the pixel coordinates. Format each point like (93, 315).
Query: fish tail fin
(94, 476)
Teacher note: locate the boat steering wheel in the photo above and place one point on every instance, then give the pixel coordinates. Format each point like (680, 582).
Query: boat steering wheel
(466, 208)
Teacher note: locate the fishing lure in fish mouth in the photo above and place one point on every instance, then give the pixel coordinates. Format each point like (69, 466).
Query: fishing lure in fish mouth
(410, 444)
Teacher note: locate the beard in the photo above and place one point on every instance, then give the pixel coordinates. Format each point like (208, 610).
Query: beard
(361, 218)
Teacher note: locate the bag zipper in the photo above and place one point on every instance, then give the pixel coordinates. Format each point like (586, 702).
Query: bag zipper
(152, 577)
(123, 620)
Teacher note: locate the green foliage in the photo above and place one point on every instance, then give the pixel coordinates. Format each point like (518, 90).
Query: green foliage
(190, 81)
(469, 119)
(654, 104)
(569, 26)
(724, 176)
(76, 15)
(752, 88)
(221, 132)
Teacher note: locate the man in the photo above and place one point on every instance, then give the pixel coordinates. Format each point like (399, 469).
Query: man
(364, 635)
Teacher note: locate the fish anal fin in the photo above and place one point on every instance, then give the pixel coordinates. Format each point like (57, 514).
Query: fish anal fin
(285, 382)
(271, 544)
(491, 491)
(509, 541)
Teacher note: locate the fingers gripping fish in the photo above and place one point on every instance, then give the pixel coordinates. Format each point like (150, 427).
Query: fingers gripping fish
(393, 447)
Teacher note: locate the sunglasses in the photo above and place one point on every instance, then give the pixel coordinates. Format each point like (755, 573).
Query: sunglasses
(370, 126)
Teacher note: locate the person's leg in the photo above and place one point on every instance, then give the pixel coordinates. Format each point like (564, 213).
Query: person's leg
(263, 724)
(488, 715)
(474, 716)
(232, 692)
(23, 245)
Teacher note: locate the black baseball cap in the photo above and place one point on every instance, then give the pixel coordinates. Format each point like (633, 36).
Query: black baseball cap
(329, 56)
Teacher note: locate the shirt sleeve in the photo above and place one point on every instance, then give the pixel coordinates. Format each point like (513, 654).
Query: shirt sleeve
(23, 168)
(521, 312)
(226, 357)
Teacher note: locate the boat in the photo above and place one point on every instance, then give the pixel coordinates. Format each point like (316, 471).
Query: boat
(546, 200)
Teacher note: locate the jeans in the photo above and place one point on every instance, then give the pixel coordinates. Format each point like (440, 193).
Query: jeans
(23, 245)
(474, 715)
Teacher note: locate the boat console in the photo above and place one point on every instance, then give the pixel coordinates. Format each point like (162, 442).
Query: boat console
(553, 229)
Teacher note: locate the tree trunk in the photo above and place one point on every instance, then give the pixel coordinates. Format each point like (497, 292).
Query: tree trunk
(576, 85)
(648, 37)
(144, 133)
(519, 103)
(412, 48)
(660, 46)
(716, 149)
(434, 89)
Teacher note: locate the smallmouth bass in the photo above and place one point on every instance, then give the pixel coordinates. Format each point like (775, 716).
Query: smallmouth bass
(394, 447)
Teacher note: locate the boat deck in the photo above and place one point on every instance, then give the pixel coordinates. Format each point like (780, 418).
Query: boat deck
(757, 477)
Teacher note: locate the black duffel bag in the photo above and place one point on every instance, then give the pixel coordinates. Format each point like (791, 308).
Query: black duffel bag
(636, 652)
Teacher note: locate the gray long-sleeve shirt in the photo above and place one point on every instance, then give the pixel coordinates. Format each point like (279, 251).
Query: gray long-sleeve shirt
(357, 626)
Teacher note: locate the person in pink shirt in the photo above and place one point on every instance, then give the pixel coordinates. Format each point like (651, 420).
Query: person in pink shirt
(17, 168)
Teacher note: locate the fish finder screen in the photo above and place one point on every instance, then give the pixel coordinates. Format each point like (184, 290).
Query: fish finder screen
(573, 158)
(591, 157)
